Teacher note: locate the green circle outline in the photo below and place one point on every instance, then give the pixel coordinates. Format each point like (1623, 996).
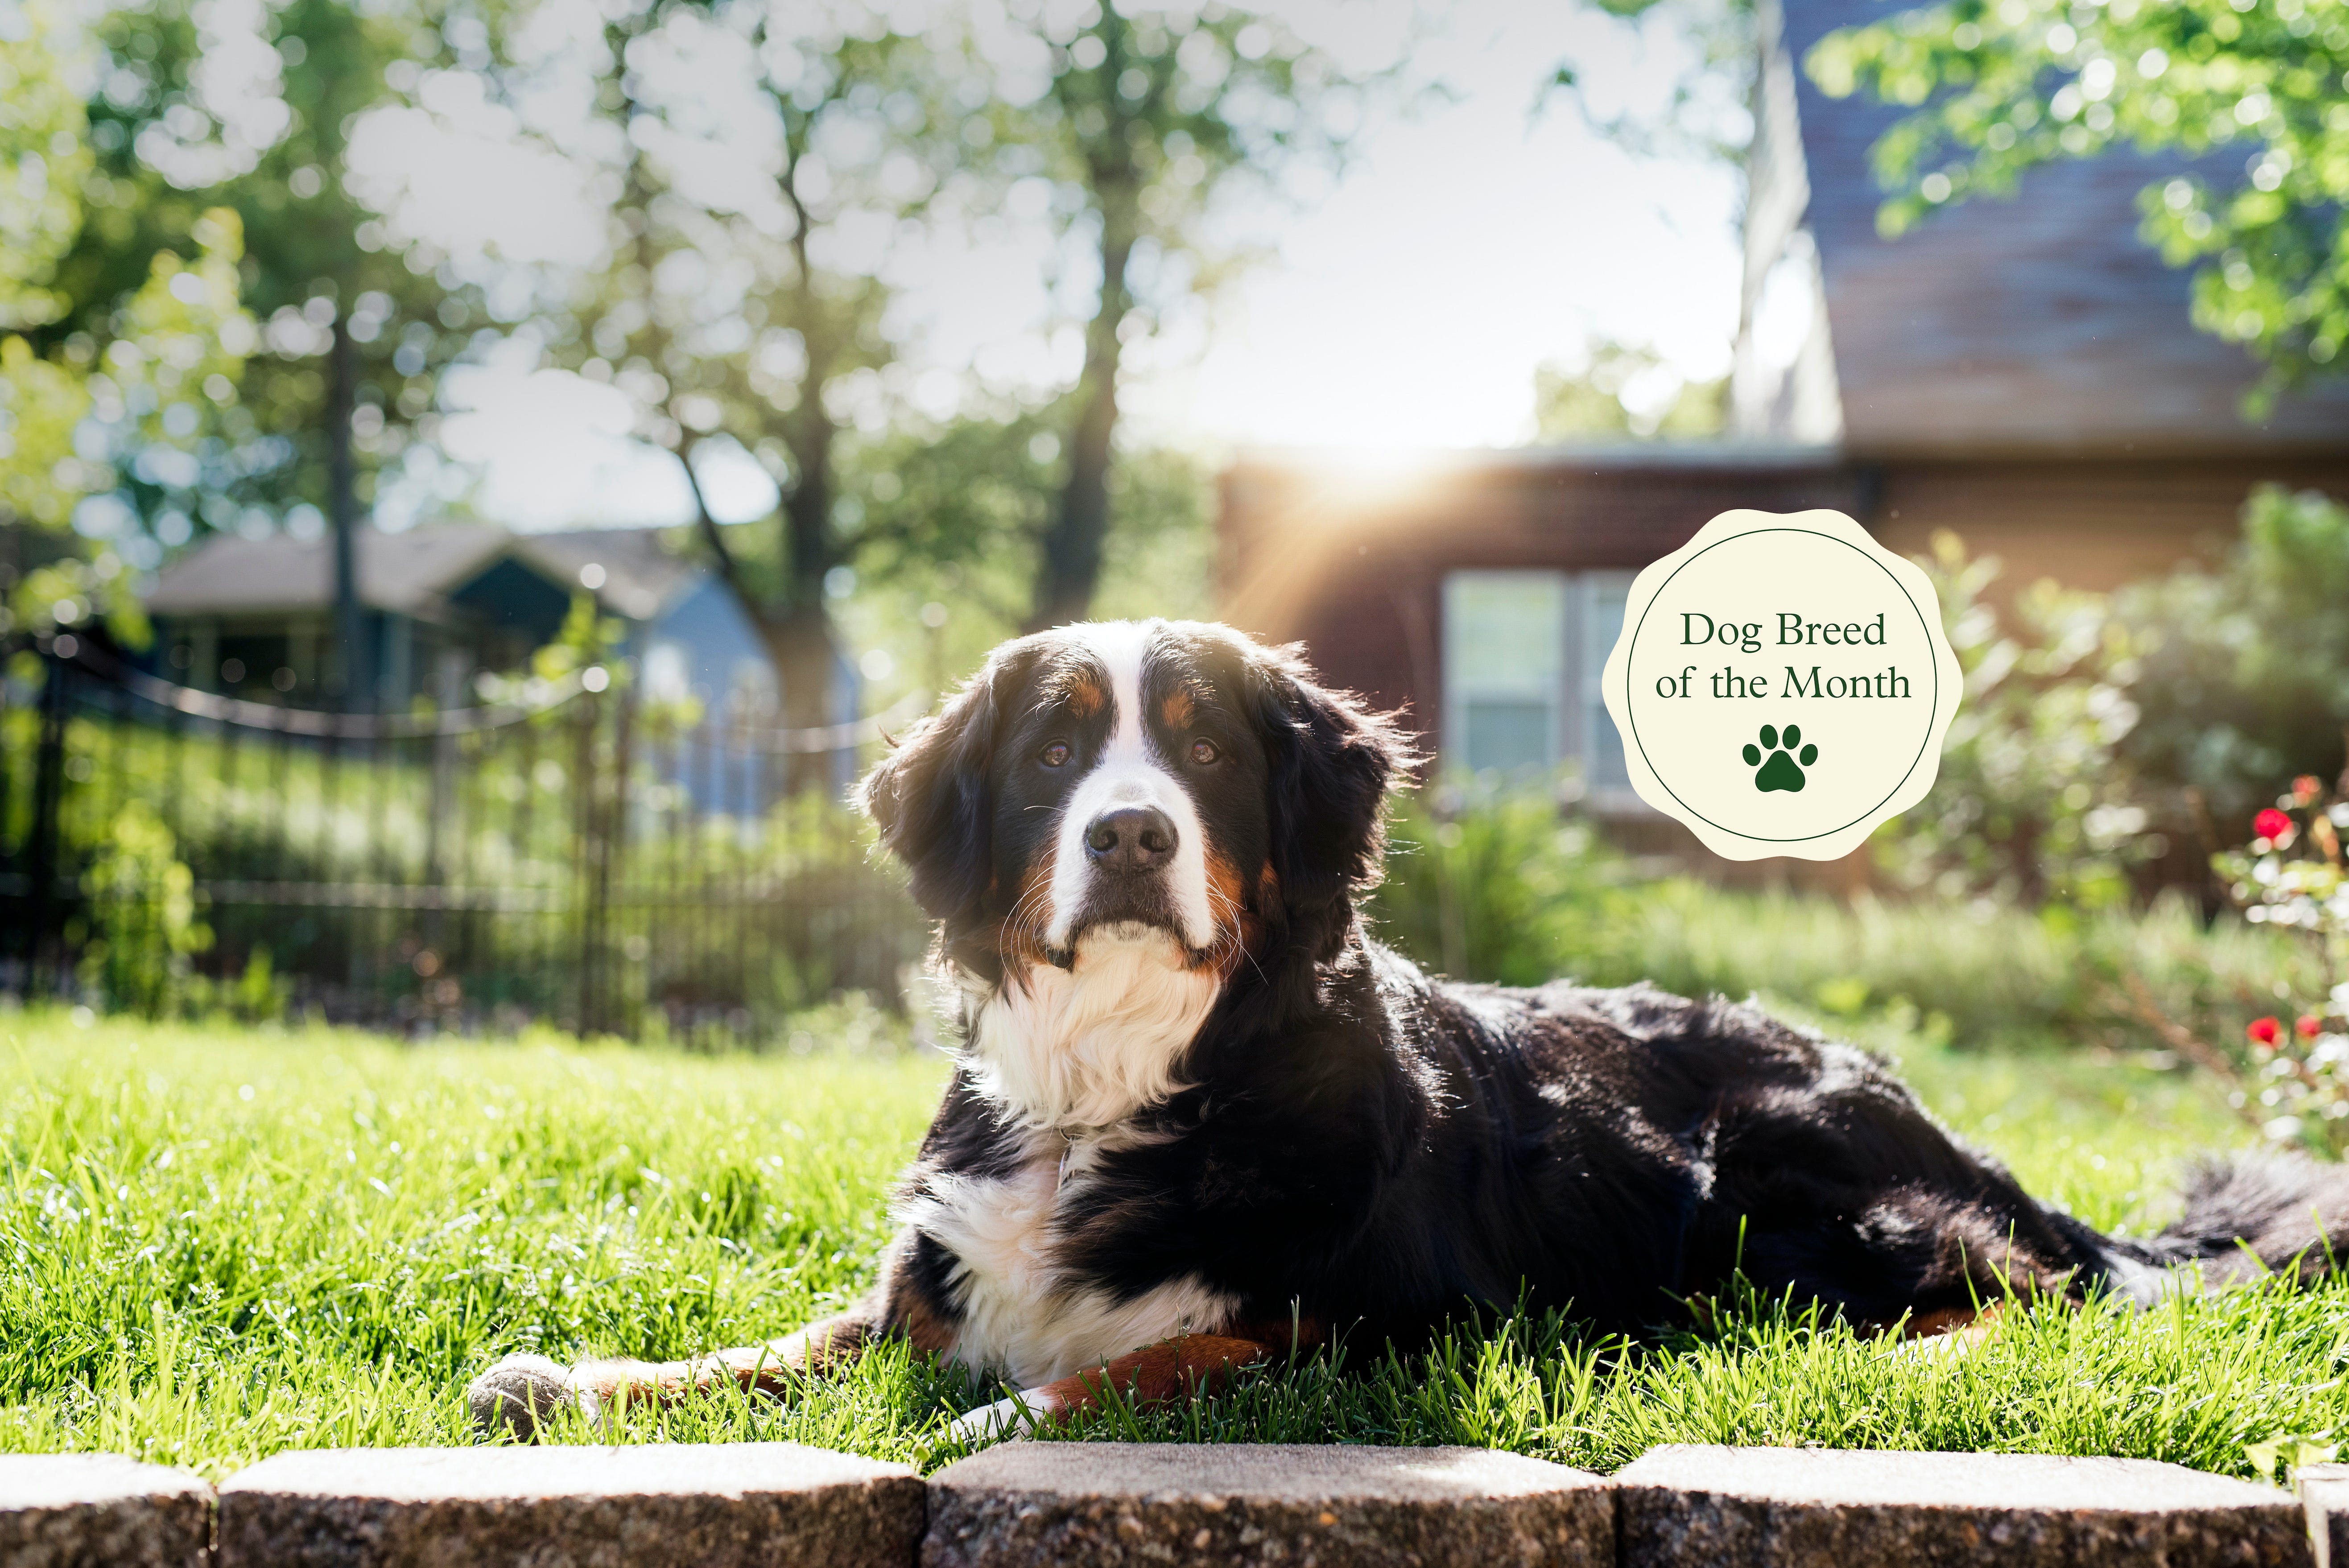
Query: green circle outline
(1633, 712)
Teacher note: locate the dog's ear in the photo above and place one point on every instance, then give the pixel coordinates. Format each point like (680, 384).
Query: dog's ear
(1330, 763)
(933, 802)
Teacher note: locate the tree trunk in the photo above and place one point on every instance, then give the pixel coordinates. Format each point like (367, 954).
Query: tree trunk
(798, 629)
(357, 693)
(795, 627)
(1068, 570)
(800, 636)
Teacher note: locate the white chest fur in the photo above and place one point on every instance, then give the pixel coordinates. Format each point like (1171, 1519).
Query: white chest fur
(1087, 1046)
(1022, 1317)
(1068, 1058)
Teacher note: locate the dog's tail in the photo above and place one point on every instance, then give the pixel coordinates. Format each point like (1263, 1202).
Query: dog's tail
(2248, 1216)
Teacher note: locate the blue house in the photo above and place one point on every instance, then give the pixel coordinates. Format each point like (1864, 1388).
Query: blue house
(444, 605)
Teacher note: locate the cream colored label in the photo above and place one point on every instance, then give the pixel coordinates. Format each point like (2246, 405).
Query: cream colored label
(1781, 685)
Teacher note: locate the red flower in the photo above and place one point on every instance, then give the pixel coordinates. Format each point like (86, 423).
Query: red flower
(2308, 1025)
(2264, 1031)
(2272, 824)
(2307, 787)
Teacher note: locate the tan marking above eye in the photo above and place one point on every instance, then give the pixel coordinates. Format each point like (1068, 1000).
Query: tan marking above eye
(1086, 698)
(1177, 709)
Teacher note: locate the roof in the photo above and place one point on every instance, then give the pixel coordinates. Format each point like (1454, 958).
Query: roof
(640, 578)
(412, 573)
(2038, 323)
(407, 571)
(1596, 454)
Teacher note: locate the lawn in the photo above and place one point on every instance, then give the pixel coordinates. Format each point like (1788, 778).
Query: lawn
(216, 1243)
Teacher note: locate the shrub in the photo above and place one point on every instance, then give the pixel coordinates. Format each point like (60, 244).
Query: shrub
(1490, 882)
(2099, 728)
(142, 902)
(1499, 885)
(2243, 673)
(2295, 1084)
(1980, 973)
(258, 994)
(2033, 805)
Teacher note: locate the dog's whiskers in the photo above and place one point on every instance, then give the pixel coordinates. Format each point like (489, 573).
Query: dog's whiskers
(1228, 923)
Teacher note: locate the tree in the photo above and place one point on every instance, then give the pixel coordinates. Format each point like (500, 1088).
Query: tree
(718, 312)
(1150, 115)
(146, 378)
(954, 517)
(188, 118)
(1999, 88)
(1589, 400)
(1709, 113)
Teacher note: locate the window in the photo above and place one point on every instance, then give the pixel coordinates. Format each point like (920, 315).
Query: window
(1523, 653)
(1599, 745)
(1503, 664)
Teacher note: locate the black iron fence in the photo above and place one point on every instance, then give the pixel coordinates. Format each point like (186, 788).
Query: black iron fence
(577, 854)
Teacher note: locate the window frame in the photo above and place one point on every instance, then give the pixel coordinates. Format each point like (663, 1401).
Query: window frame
(1576, 707)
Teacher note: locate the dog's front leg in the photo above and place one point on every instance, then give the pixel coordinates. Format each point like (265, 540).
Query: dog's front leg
(1159, 1373)
(522, 1393)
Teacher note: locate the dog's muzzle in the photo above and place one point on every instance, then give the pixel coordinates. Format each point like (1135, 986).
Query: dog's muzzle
(1126, 841)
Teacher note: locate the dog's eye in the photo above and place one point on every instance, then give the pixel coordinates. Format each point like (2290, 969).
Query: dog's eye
(1054, 754)
(1203, 752)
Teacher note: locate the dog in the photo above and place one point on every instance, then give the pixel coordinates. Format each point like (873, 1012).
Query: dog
(1200, 1115)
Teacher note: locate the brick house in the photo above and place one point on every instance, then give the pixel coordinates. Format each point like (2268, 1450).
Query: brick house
(2022, 372)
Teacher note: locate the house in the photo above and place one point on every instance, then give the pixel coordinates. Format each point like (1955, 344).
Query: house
(442, 604)
(2022, 372)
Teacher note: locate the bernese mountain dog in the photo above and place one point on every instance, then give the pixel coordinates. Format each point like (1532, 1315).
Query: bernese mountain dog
(1199, 1113)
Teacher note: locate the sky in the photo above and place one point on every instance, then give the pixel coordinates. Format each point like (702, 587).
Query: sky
(1407, 305)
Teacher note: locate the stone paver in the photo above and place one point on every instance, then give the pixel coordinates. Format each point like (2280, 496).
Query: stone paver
(1078, 1505)
(1798, 1508)
(720, 1505)
(101, 1510)
(2325, 1489)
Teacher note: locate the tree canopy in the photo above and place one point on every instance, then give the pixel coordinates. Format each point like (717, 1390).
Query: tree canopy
(758, 166)
(2252, 94)
(1150, 114)
(1622, 390)
(93, 399)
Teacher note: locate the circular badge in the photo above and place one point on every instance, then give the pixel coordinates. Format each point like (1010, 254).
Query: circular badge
(1781, 685)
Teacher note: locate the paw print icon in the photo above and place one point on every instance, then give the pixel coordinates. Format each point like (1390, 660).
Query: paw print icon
(1784, 768)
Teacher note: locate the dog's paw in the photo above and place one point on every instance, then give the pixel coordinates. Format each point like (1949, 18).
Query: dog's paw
(522, 1393)
(1007, 1418)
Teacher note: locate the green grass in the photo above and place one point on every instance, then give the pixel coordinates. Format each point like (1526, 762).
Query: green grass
(216, 1243)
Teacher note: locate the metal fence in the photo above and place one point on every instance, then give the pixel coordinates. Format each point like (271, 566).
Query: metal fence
(578, 855)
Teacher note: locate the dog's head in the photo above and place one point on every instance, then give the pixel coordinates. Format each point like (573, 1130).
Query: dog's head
(1169, 779)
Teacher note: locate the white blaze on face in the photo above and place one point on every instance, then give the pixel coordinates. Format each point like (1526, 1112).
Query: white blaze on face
(1129, 772)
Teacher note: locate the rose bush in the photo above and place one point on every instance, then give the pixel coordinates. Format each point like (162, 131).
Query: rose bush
(2293, 877)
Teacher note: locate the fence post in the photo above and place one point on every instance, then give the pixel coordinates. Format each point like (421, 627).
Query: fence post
(611, 842)
(588, 857)
(441, 822)
(48, 795)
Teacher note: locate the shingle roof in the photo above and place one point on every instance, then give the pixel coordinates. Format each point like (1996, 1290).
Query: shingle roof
(403, 572)
(2041, 322)
(639, 576)
(412, 573)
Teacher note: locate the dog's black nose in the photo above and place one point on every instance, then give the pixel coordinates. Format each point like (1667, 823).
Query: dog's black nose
(1131, 839)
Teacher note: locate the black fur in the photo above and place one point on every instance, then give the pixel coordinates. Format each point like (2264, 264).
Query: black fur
(1368, 1146)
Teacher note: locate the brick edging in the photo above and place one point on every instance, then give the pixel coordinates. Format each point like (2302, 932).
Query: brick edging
(720, 1505)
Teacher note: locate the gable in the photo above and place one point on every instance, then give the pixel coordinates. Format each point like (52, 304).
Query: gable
(515, 601)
